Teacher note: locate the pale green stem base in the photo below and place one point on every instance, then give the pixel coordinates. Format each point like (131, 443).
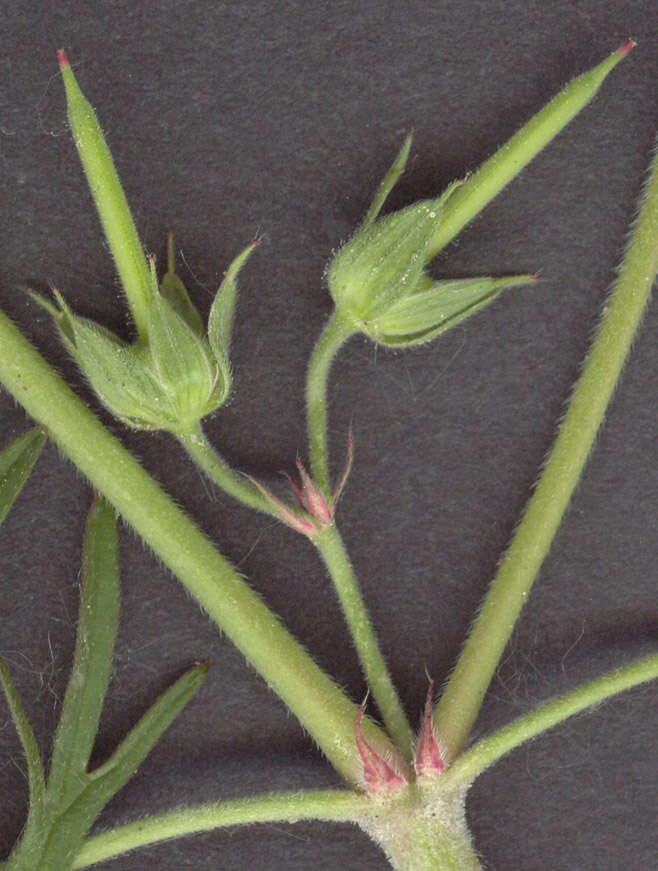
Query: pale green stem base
(462, 698)
(334, 334)
(332, 550)
(422, 830)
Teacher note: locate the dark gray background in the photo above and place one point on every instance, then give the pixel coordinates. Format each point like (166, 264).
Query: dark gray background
(228, 120)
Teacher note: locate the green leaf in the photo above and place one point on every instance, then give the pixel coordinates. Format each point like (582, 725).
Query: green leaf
(138, 743)
(16, 462)
(220, 320)
(389, 182)
(92, 663)
(173, 290)
(70, 827)
(422, 316)
(35, 774)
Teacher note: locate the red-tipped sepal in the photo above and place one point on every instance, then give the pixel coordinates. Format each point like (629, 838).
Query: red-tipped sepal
(316, 513)
(310, 498)
(285, 513)
(349, 456)
(428, 759)
(378, 775)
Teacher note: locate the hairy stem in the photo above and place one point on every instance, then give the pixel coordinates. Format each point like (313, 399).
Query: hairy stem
(462, 698)
(331, 548)
(334, 805)
(483, 754)
(218, 470)
(332, 551)
(336, 331)
(310, 694)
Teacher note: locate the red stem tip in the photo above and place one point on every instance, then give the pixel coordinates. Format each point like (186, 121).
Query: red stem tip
(63, 59)
(627, 47)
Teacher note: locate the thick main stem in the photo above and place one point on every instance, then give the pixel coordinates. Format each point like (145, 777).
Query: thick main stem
(331, 548)
(315, 700)
(462, 698)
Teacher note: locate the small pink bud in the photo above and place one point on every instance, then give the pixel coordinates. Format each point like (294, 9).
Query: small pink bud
(310, 497)
(428, 759)
(315, 512)
(378, 775)
(62, 59)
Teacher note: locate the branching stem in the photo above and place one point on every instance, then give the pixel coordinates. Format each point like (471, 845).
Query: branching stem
(310, 694)
(488, 751)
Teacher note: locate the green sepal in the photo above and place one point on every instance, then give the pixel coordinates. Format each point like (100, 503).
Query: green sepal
(220, 320)
(388, 183)
(384, 260)
(16, 462)
(72, 825)
(430, 311)
(92, 660)
(120, 374)
(61, 319)
(174, 291)
(183, 364)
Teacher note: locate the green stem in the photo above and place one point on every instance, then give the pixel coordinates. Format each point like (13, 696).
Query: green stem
(461, 701)
(483, 754)
(336, 331)
(218, 470)
(334, 805)
(509, 160)
(331, 548)
(310, 694)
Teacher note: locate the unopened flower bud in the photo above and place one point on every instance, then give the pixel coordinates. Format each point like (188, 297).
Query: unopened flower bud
(378, 280)
(177, 375)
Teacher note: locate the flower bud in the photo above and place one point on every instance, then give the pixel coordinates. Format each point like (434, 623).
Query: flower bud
(384, 261)
(378, 280)
(174, 378)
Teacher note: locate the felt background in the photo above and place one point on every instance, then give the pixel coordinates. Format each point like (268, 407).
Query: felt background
(228, 120)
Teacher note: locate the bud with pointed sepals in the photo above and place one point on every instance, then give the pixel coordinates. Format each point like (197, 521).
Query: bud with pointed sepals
(378, 280)
(174, 378)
